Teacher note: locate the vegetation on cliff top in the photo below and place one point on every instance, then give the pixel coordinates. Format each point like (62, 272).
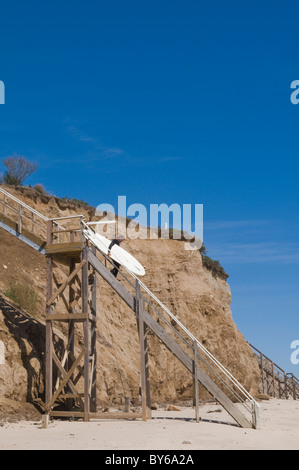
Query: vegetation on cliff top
(18, 169)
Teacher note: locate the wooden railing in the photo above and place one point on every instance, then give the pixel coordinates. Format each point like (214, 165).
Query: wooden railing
(21, 217)
(275, 382)
(33, 227)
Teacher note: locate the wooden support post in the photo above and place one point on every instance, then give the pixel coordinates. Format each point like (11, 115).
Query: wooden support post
(294, 386)
(279, 388)
(49, 333)
(141, 330)
(195, 376)
(268, 391)
(20, 218)
(84, 289)
(147, 377)
(256, 416)
(286, 386)
(273, 378)
(93, 398)
(33, 222)
(262, 374)
(127, 404)
(71, 333)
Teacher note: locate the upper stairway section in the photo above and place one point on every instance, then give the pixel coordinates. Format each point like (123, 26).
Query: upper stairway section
(23, 221)
(37, 230)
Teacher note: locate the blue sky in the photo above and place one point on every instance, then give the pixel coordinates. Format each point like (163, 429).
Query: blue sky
(176, 101)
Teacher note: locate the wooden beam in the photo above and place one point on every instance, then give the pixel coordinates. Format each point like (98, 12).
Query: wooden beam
(66, 414)
(49, 326)
(62, 296)
(65, 284)
(80, 317)
(139, 313)
(273, 378)
(111, 280)
(147, 375)
(80, 414)
(56, 248)
(65, 380)
(80, 369)
(115, 415)
(196, 397)
(84, 289)
(71, 396)
(65, 358)
(93, 340)
(70, 349)
(74, 229)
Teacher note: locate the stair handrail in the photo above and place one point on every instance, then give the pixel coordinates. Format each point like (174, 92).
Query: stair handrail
(29, 208)
(278, 371)
(24, 204)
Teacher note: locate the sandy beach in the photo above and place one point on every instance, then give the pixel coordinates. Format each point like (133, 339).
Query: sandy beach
(175, 430)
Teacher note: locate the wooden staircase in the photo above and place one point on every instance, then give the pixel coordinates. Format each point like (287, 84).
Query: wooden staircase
(33, 228)
(275, 382)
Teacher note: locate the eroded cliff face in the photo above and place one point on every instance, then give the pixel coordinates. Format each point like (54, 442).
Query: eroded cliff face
(176, 276)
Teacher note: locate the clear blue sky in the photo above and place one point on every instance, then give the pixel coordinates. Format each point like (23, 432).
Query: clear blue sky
(181, 101)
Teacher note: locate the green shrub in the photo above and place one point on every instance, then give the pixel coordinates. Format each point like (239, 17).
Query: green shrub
(76, 201)
(40, 189)
(22, 295)
(214, 266)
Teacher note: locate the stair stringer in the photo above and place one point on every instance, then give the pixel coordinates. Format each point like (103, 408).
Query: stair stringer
(170, 343)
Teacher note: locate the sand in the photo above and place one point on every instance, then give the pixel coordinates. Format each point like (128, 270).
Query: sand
(176, 430)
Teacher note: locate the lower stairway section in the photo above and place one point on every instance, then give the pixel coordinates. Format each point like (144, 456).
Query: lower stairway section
(190, 360)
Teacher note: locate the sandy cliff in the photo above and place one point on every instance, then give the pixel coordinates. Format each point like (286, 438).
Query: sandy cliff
(176, 276)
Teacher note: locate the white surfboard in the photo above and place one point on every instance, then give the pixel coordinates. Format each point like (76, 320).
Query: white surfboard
(118, 254)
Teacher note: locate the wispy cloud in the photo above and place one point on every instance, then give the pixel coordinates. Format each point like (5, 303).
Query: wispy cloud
(96, 149)
(251, 241)
(77, 134)
(170, 159)
(248, 253)
(235, 224)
